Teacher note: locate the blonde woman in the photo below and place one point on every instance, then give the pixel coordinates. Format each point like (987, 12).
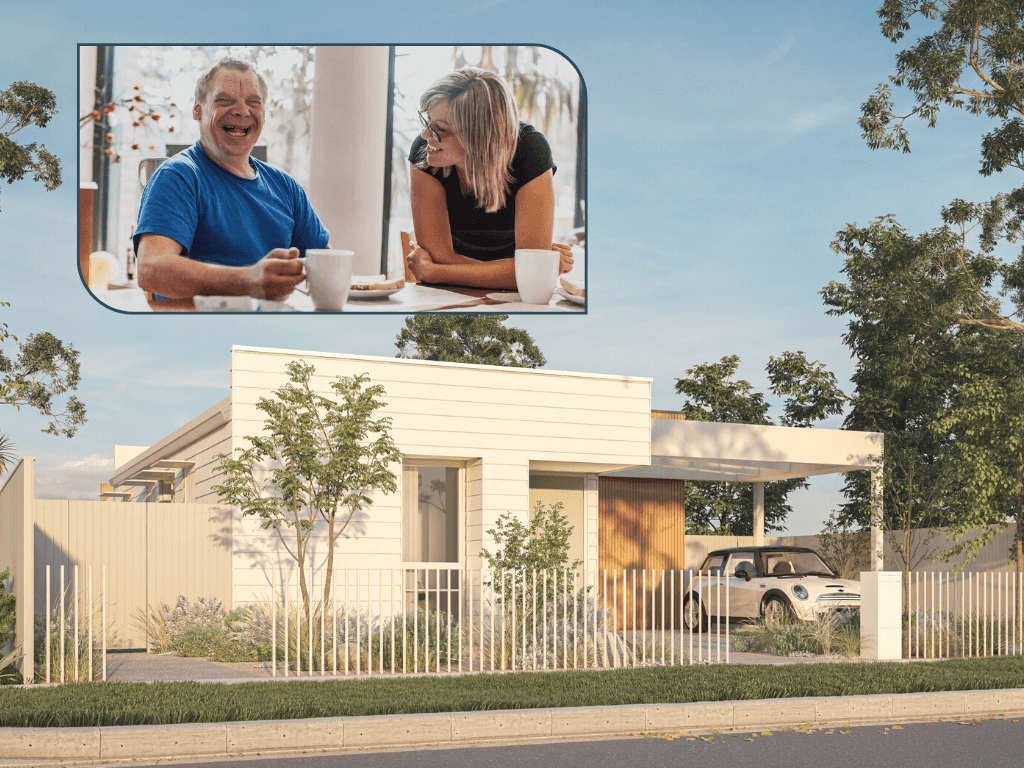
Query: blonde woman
(481, 184)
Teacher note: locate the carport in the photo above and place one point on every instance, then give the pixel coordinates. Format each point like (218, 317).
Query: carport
(749, 453)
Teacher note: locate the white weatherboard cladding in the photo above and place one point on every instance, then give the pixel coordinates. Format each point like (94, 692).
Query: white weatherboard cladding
(496, 421)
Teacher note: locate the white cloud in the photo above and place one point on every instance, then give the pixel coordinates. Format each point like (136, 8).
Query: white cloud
(74, 479)
(778, 52)
(807, 121)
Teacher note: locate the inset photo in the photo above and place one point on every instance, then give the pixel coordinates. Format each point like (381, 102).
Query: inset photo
(367, 179)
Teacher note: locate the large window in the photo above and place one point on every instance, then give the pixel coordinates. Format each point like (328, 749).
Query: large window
(430, 514)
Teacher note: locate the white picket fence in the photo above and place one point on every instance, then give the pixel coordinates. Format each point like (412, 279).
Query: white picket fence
(432, 618)
(964, 614)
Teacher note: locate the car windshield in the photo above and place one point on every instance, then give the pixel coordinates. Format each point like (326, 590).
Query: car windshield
(794, 564)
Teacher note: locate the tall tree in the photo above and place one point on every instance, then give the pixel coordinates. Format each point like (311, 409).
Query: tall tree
(941, 392)
(23, 105)
(44, 368)
(715, 395)
(317, 461)
(974, 60)
(480, 339)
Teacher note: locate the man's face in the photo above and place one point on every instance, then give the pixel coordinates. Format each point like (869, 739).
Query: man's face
(231, 117)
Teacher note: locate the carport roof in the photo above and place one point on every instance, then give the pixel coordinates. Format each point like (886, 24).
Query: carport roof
(701, 450)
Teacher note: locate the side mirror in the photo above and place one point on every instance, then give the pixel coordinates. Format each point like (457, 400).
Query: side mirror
(741, 573)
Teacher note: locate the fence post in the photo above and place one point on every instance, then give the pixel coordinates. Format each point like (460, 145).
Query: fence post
(881, 597)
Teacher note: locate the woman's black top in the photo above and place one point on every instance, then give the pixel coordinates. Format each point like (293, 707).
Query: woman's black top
(476, 233)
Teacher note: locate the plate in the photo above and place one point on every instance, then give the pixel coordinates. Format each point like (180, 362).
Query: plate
(223, 304)
(508, 298)
(581, 300)
(383, 293)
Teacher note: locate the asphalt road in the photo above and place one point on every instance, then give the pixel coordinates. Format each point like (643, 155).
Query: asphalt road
(992, 743)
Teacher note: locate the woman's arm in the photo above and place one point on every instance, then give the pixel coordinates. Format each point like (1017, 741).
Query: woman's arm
(430, 218)
(535, 222)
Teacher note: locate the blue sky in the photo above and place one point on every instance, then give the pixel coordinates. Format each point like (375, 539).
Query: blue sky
(724, 155)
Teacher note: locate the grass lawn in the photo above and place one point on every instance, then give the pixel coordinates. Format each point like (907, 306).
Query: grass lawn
(92, 704)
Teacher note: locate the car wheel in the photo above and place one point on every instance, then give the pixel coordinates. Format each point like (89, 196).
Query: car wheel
(776, 609)
(694, 614)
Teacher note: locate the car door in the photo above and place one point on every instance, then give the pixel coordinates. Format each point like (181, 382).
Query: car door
(744, 597)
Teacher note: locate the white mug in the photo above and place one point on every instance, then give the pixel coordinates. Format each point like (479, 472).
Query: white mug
(536, 274)
(329, 276)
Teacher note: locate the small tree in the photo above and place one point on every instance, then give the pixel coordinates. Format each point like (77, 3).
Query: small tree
(843, 549)
(44, 368)
(542, 546)
(317, 460)
(479, 339)
(22, 105)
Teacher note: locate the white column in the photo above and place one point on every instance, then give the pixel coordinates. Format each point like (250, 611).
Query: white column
(758, 514)
(350, 108)
(877, 541)
(881, 612)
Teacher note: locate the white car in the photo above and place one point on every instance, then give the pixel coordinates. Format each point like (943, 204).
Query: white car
(765, 581)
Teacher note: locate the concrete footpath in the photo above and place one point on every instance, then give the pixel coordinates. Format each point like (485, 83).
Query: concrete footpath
(25, 747)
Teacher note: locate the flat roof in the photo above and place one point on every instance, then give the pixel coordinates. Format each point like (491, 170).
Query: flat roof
(704, 450)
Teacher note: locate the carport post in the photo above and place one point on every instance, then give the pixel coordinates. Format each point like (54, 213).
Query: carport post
(759, 514)
(875, 559)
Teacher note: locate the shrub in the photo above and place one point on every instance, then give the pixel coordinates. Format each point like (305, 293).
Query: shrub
(830, 632)
(6, 611)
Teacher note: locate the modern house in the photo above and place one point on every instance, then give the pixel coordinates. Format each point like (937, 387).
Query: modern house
(478, 442)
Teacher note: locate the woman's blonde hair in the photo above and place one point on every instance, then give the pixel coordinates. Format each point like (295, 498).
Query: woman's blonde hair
(482, 111)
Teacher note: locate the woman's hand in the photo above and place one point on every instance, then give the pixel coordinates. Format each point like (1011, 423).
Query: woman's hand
(565, 252)
(420, 263)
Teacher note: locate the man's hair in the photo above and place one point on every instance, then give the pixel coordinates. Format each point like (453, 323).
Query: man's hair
(482, 111)
(203, 86)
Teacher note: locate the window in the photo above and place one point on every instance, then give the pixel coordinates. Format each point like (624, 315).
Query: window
(430, 514)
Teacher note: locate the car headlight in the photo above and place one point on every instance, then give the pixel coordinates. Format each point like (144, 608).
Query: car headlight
(800, 591)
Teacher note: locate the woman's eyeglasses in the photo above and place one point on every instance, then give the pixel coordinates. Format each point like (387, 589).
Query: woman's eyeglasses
(437, 133)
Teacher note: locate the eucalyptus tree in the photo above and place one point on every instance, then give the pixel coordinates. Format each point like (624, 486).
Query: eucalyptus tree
(945, 394)
(24, 105)
(318, 460)
(972, 59)
(714, 394)
(482, 339)
(43, 369)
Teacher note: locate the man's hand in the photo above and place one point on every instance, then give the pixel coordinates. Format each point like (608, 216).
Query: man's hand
(275, 276)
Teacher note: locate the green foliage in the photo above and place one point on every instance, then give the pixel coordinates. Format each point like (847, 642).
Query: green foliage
(318, 459)
(6, 453)
(541, 547)
(947, 395)
(69, 644)
(830, 632)
(44, 368)
(22, 105)
(482, 339)
(715, 395)
(972, 59)
(843, 549)
(7, 614)
(95, 705)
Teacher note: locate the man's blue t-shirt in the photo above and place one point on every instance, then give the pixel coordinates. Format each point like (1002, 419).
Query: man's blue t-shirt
(222, 218)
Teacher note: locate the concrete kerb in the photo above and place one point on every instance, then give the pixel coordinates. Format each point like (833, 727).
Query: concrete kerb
(71, 746)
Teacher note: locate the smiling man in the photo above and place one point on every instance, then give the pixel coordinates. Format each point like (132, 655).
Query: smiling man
(216, 221)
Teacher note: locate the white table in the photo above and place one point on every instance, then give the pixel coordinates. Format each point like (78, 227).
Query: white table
(413, 298)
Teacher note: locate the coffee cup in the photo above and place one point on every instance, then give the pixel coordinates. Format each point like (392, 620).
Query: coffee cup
(329, 276)
(147, 167)
(536, 274)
